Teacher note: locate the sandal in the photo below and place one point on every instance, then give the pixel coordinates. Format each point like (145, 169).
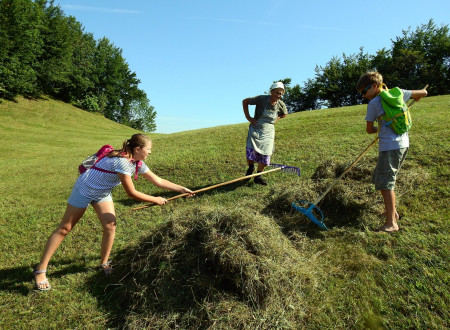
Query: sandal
(107, 268)
(39, 285)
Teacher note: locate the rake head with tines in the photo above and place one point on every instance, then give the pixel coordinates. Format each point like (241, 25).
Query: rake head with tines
(287, 169)
(311, 211)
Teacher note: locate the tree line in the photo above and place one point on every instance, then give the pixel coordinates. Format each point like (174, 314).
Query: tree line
(417, 58)
(45, 52)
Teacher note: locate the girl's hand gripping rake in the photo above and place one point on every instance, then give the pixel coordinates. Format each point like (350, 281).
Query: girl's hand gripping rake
(278, 167)
(307, 208)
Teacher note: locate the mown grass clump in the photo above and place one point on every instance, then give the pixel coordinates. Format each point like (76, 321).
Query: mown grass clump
(353, 199)
(234, 266)
(214, 265)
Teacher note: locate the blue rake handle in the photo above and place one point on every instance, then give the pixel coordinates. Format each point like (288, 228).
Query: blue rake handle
(309, 214)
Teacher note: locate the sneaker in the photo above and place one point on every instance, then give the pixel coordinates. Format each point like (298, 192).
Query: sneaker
(260, 180)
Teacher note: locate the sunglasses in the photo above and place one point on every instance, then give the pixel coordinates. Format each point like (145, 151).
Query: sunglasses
(364, 91)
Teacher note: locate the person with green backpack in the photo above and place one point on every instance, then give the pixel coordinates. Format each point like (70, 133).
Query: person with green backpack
(388, 108)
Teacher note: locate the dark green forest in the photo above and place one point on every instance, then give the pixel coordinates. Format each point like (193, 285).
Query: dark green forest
(45, 52)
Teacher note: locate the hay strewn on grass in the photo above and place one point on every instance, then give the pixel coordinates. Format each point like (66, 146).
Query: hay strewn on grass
(214, 266)
(353, 200)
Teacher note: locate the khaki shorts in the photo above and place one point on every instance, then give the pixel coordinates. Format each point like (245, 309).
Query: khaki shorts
(388, 164)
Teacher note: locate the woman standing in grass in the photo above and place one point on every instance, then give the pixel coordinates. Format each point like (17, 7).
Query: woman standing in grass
(261, 131)
(94, 187)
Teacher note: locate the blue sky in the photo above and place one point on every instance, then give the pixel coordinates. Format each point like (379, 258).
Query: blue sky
(197, 60)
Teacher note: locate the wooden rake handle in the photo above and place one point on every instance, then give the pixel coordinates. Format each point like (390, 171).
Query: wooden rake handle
(212, 187)
(346, 171)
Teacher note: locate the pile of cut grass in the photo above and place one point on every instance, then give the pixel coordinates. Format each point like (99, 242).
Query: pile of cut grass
(213, 265)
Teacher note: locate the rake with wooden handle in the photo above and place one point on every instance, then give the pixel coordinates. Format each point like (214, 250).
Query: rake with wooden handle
(278, 167)
(307, 208)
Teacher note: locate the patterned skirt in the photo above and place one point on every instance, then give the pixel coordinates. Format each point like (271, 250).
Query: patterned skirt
(252, 154)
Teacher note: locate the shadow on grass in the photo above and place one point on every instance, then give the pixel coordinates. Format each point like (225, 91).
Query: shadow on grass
(16, 279)
(145, 281)
(7, 97)
(173, 295)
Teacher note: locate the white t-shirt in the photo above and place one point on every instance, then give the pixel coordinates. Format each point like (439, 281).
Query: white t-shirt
(389, 140)
(96, 185)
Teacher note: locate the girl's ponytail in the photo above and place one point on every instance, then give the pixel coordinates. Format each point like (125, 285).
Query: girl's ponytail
(137, 140)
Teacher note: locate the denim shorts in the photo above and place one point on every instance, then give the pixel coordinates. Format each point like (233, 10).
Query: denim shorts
(78, 200)
(388, 164)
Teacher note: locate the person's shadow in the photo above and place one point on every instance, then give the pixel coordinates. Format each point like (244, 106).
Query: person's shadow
(14, 279)
(17, 279)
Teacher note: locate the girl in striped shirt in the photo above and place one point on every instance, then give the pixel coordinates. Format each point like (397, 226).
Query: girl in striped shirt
(94, 187)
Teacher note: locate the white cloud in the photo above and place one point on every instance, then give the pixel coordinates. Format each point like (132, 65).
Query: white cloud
(101, 9)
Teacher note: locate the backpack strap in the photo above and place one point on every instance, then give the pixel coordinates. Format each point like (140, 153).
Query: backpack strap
(102, 170)
(383, 88)
(138, 166)
(392, 119)
(103, 152)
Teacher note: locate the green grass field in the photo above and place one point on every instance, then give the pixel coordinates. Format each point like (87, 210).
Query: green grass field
(236, 257)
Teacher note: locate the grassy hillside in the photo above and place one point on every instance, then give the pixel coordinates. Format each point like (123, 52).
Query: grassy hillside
(233, 257)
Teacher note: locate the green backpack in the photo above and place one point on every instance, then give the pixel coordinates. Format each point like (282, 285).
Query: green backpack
(397, 112)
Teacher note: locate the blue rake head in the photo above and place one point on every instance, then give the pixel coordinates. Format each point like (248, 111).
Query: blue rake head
(308, 211)
(287, 169)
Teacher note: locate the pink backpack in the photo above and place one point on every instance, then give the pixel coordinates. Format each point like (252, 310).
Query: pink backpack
(89, 163)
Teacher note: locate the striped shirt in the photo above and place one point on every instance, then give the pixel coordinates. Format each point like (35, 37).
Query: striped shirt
(96, 185)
